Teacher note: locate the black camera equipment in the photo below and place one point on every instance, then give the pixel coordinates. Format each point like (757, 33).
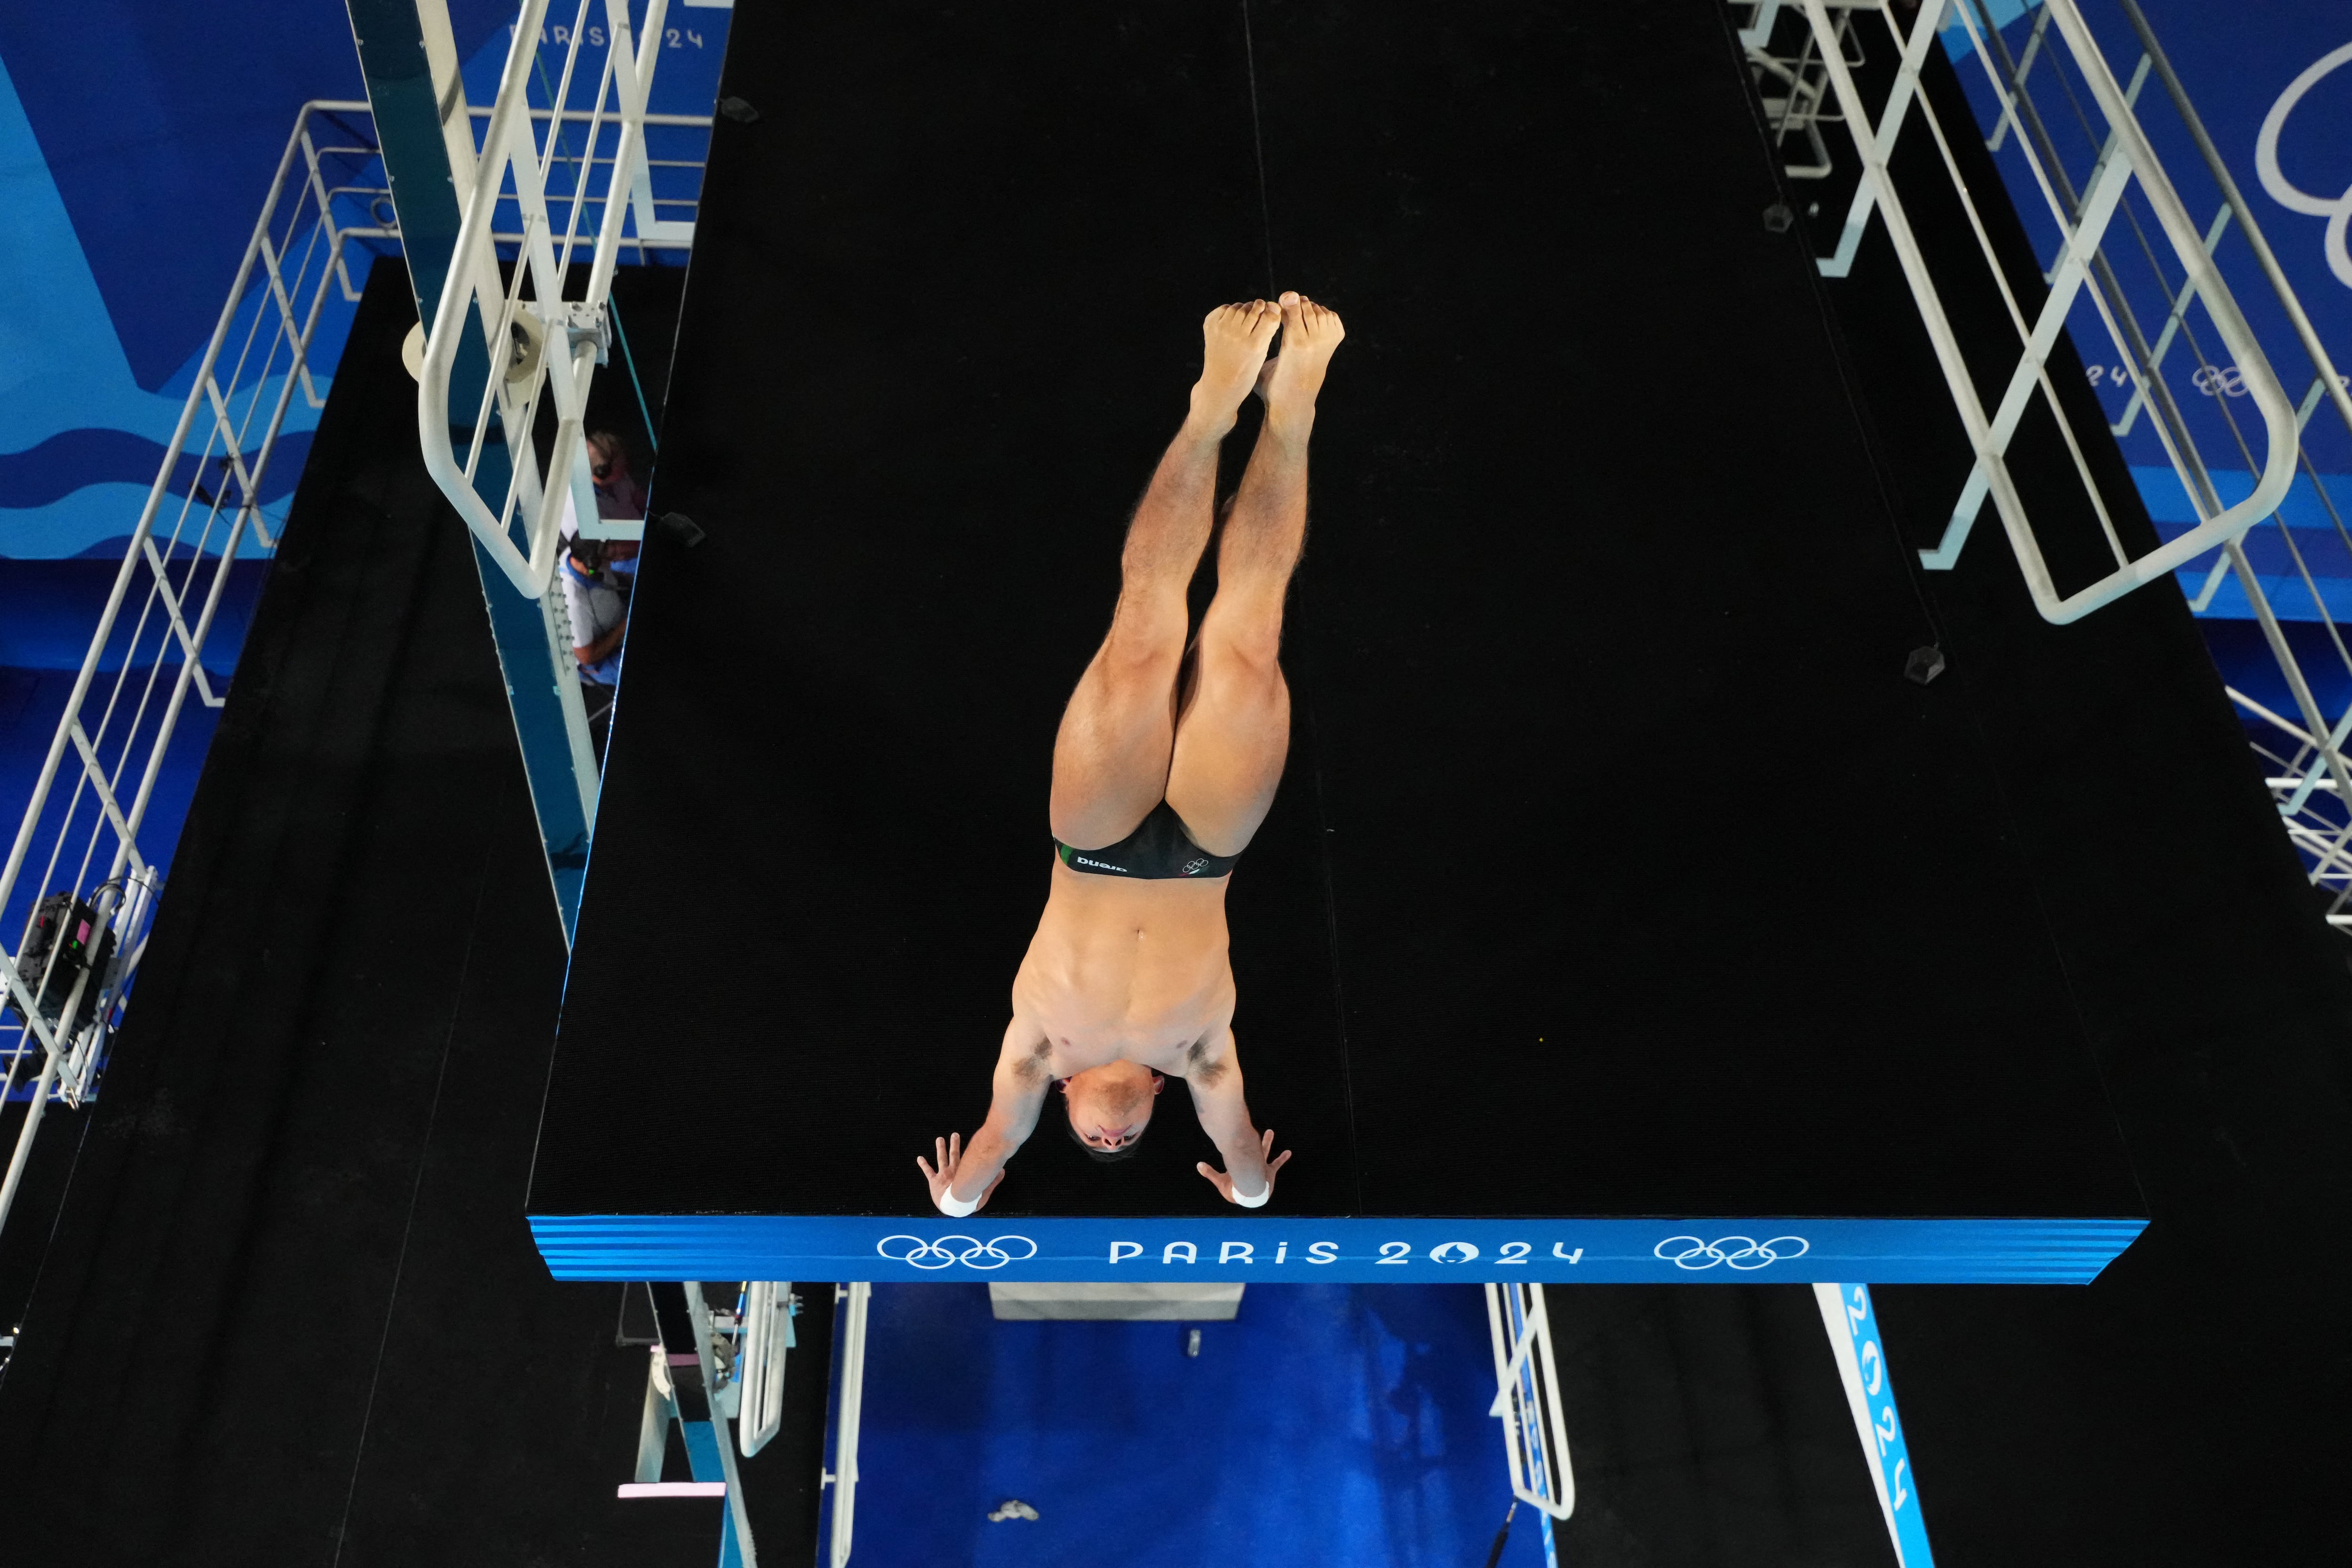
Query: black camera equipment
(59, 952)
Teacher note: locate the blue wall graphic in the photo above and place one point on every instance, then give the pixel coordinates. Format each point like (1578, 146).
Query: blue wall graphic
(73, 415)
(2241, 63)
(137, 141)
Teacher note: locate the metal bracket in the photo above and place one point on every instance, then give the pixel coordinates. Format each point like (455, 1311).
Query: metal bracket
(586, 323)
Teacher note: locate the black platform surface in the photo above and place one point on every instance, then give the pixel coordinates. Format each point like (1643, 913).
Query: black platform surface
(1618, 873)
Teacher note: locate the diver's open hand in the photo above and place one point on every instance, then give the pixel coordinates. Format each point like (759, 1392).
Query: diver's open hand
(1225, 1183)
(950, 1153)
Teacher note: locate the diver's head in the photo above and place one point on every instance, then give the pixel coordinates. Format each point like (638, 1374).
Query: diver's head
(1110, 1105)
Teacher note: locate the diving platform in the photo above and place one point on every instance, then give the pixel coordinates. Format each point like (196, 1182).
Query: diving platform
(1627, 912)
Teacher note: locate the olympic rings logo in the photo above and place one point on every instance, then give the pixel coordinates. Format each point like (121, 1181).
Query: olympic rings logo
(952, 1249)
(2220, 381)
(1740, 1252)
(2337, 210)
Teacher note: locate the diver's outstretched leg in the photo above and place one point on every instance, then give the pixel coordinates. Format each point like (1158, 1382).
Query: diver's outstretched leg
(1234, 733)
(1111, 755)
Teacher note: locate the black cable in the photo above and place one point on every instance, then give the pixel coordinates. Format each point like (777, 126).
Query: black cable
(1502, 1535)
(1257, 140)
(630, 360)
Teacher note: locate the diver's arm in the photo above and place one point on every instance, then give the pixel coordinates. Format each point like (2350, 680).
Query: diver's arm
(966, 1176)
(1214, 1077)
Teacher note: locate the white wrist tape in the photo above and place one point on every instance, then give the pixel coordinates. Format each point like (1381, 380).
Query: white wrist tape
(955, 1207)
(1256, 1203)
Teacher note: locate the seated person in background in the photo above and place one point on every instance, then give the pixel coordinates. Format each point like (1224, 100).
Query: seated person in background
(618, 494)
(597, 574)
(1166, 762)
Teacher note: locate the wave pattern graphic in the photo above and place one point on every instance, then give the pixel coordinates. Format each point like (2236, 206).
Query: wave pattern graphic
(72, 459)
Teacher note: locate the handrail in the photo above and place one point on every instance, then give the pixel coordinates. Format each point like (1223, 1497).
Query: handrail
(2265, 158)
(851, 1414)
(764, 1359)
(665, 235)
(2280, 428)
(2128, 156)
(1526, 1399)
(294, 256)
(2303, 759)
(543, 328)
(581, 116)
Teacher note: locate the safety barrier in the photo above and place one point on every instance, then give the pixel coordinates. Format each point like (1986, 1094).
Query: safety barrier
(2082, 218)
(764, 1323)
(667, 235)
(525, 345)
(1534, 1432)
(71, 967)
(852, 1302)
(1526, 1399)
(64, 990)
(2303, 755)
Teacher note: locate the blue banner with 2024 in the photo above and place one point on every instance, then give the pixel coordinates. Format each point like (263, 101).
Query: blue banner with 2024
(1870, 1387)
(1354, 1250)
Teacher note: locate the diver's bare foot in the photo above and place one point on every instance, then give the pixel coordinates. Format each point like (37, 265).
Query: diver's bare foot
(1309, 333)
(1233, 344)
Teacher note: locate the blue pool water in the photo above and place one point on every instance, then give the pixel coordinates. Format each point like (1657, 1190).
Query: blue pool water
(1339, 1424)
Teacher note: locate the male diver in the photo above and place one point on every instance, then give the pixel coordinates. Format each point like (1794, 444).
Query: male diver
(1166, 762)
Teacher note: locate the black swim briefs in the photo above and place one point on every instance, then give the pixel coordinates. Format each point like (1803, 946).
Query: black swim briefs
(1159, 849)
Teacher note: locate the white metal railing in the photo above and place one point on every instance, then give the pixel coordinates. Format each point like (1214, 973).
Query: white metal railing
(2124, 157)
(2309, 765)
(1794, 89)
(536, 342)
(765, 1319)
(1535, 1430)
(2180, 265)
(78, 845)
(374, 193)
(93, 874)
(851, 1302)
(1526, 1399)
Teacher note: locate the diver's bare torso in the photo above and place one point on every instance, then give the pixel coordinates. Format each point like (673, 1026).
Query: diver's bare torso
(1126, 970)
(1165, 762)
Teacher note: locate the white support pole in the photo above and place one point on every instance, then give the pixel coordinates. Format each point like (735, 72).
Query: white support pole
(1870, 147)
(766, 1359)
(653, 1423)
(713, 1384)
(843, 1477)
(1847, 1314)
(2073, 264)
(25, 1134)
(1898, 104)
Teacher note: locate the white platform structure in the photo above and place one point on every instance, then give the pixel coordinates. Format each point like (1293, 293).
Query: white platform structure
(1206, 1303)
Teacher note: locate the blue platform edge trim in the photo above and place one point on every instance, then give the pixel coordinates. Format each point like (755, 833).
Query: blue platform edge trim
(1353, 1251)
